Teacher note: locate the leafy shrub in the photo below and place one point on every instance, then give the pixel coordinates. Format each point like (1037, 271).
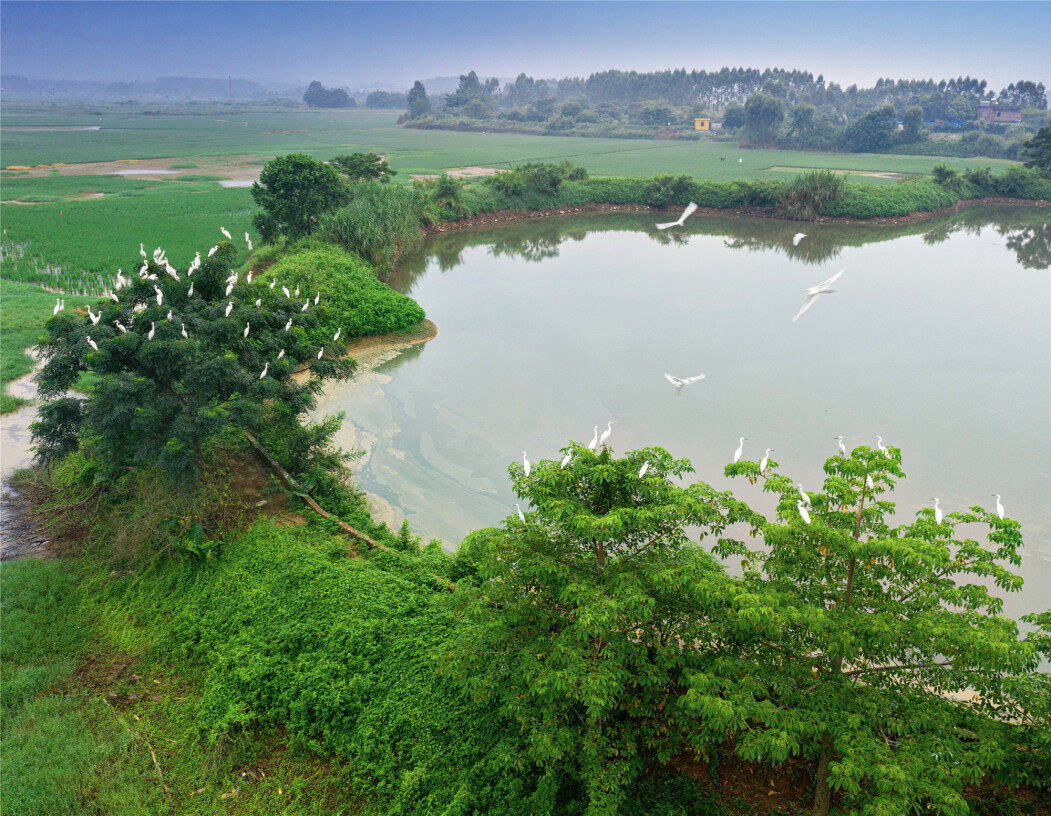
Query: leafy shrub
(804, 197)
(380, 222)
(948, 178)
(666, 189)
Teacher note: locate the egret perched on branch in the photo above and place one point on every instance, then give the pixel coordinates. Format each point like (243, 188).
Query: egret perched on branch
(258, 302)
(229, 288)
(248, 241)
(248, 277)
(288, 325)
(189, 292)
(160, 295)
(58, 306)
(594, 440)
(565, 460)
(280, 354)
(606, 433)
(317, 298)
(266, 368)
(643, 469)
(690, 208)
(120, 326)
(232, 277)
(213, 250)
(740, 449)
(525, 464)
(335, 337)
(871, 485)
(183, 331)
(247, 327)
(142, 250)
(169, 315)
(938, 515)
(94, 345)
(679, 382)
(799, 236)
(153, 329)
(224, 231)
(320, 352)
(305, 306)
(803, 514)
(297, 290)
(813, 292)
(521, 515)
(842, 447)
(880, 445)
(112, 297)
(999, 506)
(765, 460)
(287, 293)
(803, 494)
(229, 308)
(273, 283)
(94, 318)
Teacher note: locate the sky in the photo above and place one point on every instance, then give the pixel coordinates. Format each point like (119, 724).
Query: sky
(366, 44)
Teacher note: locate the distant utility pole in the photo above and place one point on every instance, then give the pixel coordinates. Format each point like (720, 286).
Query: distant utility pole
(230, 82)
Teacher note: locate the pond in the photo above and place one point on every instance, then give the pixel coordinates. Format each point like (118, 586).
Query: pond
(937, 337)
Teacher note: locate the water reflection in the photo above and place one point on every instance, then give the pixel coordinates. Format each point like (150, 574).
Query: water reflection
(1027, 232)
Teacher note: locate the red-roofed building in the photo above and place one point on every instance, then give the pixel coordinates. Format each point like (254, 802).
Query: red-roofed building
(993, 112)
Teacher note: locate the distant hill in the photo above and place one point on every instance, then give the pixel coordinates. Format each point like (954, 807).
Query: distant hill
(163, 88)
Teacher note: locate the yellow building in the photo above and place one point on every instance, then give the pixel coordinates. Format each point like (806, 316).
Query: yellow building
(702, 124)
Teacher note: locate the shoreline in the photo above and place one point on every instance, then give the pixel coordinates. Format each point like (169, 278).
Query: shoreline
(498, 217)
(378, 348)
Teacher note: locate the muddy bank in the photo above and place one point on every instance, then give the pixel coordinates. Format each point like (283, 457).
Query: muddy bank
(19, 536)
(512, 216)
(378, 349)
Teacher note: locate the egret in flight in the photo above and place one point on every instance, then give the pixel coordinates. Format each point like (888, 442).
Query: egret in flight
(740, 450)
(594, 440)
(803, 514)
(606, 433)
(225, 232)
(525, 464)
(690, 208)
(938, 515)
(799, 236)
(999, 506)
(765, 460)
(94, 345)
(841, 446)
(521, 515)
(814, 292)
(643, 469)
(679, 382)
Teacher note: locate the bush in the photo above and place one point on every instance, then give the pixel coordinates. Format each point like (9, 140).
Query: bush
(804, 197)
(665, 190)
(380, 223)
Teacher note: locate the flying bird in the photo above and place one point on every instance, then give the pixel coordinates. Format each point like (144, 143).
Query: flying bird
(594, 440)
(690, 208)
(740, 449)
(643, 469)
(938, 515)
(999, 506)
(803, 514)
(521, 515)
(525, 464)
(224, 231)
(606, 433)
(266, 368)
(229, 308)
(679, 382)
(765, 460)
(94, 345)
(814, 292)
(799, 236)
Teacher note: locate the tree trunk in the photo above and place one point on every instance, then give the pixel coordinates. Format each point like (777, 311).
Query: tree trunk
(822, 795)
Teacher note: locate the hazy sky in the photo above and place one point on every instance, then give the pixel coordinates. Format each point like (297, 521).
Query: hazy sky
(362, 43)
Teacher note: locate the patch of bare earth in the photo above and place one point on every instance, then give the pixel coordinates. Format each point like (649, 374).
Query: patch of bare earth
(474, 171)
(235, 168)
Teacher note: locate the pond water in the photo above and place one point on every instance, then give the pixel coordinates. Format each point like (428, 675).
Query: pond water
(937, 337)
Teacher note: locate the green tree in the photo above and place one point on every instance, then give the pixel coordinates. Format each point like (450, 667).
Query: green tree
(734, 117)
(294, 191)
(177, 361)
(363, 167)
(318, 96)
(418, 102)
(1037, 150)
(762, 113)
(873, 132)
(892, 666)
(912, 125)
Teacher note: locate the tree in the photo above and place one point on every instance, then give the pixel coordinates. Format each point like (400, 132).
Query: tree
(1037, 150)
(762, 114)
(363, 166)
(418, 103)
(890, 665)
(159, 396)
(318, 96)
(733, 117)
(385, 99)
(294, 191)
(912, 125)
(873, 132)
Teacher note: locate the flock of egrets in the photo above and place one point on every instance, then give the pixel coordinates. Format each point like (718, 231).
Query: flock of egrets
(161, 260)
(678, 383)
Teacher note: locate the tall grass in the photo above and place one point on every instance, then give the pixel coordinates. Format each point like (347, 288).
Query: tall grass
(804, 198)
(381, 222)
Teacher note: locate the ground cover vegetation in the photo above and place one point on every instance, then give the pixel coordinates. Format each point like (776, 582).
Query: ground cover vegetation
(774, 107)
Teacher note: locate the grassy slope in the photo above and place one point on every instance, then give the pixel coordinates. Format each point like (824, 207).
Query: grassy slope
(23, 311)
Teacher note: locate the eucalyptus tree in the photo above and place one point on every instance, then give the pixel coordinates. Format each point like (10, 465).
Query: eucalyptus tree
(177, 357)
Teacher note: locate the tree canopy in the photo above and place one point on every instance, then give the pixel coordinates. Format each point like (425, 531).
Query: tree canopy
(293, 192)
(363, 167)
(318, 96)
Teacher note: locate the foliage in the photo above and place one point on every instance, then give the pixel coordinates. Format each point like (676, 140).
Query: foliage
(1038, 150)
(762, 114)
(379, 223)
(665, 190)
(804, 198)
(417, 102)
(294, 191)
(363, 167)
(160, 396)
(353, 300)
(318, 96)
(872, 133)
(385, 99)
(948, 178)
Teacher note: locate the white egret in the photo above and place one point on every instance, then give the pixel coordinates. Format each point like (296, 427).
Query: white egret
(153, 329)
(287, 293)
(765, 460)
(813, 292)
(799, 236)
(247, 327)
(525, 464)
(643, 469)
(138, 307)
(565, 460)
(869, 483)
(112, 297)
(258, 302)
(317, 298)
(305, 306)
(280, 354)
(189, 292)
(938, 514)
(94, 345)
(606, 433)
(842, 447)
(999, 506)
(120, 326)
(142, 269)
(266, 368)
(229, 308)
(58, 307)
(740, 161)
(288, 325)
(273, 283)
(679, 382)
(690, 208)
(248, 239)
(335, 337)
(521, 515)
(320, 352)
(94, 318)
(740, 449)
(803, 514)
(880, 445)
(594, 440)
(248, 277)
(229, 289)
(183, 332)
(142, 250)
(803, 494)
(225, 232)
(297, 290)
(232, 278)
(213, 250)
(169, 315)
(160, 295)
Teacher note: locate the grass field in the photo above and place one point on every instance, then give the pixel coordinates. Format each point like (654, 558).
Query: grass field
(23, 311)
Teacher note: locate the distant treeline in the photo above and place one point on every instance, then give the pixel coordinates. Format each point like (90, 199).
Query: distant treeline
(20, 87)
